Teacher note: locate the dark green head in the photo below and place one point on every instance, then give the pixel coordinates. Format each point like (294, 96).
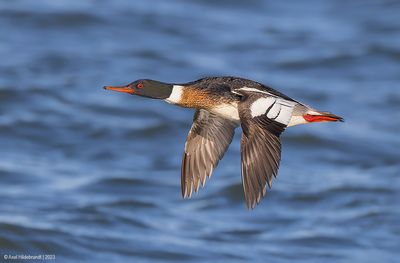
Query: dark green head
(146, 88)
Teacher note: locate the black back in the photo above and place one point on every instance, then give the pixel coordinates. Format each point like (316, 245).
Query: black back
(228, 83)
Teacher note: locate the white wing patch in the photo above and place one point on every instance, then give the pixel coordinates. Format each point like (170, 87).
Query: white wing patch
(274, 111)
(286, 112)
(276, 108)
(254, 90)
(260, 106)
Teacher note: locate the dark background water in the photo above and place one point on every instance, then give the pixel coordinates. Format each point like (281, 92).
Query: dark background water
(94, 176)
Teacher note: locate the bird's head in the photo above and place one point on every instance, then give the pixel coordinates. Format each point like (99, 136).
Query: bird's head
(146, 88)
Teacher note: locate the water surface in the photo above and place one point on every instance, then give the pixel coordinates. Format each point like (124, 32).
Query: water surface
(93, 176)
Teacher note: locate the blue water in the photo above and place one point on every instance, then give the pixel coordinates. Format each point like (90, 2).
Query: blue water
(94, 176)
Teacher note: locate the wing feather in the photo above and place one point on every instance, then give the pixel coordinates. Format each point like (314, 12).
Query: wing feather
(206, 143)
(260, 152)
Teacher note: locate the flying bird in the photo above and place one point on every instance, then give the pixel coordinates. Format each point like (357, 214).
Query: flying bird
(222, 104)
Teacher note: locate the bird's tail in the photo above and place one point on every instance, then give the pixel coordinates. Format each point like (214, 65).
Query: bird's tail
(321, 116)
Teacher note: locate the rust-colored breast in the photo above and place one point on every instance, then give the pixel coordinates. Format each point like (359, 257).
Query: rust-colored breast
(200, 99)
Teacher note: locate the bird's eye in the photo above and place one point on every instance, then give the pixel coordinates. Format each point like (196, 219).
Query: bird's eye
(140, 85)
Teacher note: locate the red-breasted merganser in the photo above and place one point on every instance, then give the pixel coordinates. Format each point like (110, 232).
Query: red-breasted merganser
(222, 104)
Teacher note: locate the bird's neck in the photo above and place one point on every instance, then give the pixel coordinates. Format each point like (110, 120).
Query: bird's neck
(176, 94)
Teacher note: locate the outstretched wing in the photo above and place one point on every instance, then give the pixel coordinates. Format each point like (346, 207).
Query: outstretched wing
(263, 119)
(206, 143)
